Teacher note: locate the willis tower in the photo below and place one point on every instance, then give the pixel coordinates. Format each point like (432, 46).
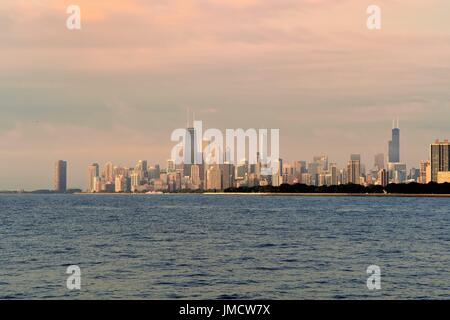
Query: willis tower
(394, 144)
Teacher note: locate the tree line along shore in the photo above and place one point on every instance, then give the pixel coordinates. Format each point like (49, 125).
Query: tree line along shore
(431, 188)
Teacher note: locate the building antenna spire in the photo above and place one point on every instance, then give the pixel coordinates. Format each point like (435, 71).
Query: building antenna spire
(187, 117)
(398, 122)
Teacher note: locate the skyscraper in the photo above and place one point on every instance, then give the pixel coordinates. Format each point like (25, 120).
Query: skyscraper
(397, 172)
(334, 174)
(195, 176)
(440, 158)
(383, 176)
(122, 183)
(228, 176)
(93, 172)
(323, 162)
(170, 165)
(425, 172)
(394, 145)
(213, 178)
(60, 178)
(135, 181)
(379, 161)
(354, 171)
(109, 172)
(190, 150)
(142, 169)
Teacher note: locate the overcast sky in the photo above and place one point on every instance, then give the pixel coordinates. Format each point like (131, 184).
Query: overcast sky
(117, 88)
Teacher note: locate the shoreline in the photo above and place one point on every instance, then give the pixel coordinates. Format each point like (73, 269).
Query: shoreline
(376, 195)
(260, 194)
(287, 194)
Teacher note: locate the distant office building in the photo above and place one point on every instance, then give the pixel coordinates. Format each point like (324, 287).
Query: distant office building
(354, 172)
(174, 180)
(280, 167)
(322, 161)
(141, 169)
(363, 169)
(383, 177)
(305, 178)
(213, 178)
(300, 167)
(157, 171)
(443, 177)
(93, 172)
(379, 161)
(154, 172)
(355, 157)
(440, 158)
(397, 172)
(414, 174)
(170, 166)
(122, 184)
(425, 172)
(313, 171)
(333, 174)
(277, 180)
(322, 179)
(109, 172)
(343, 176)
(277, 177)
(135, 181)
(195, 176)
(121, 171)
(252, 180)
(178, 179)
(394, 145)
(228, 176)
(242, 169)
(370, 179)
(60, 178)
(108, 187)
(97, 184)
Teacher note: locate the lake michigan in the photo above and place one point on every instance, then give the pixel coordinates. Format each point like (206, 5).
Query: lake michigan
(223, 246)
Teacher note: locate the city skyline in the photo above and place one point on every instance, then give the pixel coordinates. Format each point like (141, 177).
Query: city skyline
(115, 89)
(321, 171)
(377, 160)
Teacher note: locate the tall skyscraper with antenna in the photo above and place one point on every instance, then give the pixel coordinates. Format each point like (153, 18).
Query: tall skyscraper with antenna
(191, 146)
(394, 144)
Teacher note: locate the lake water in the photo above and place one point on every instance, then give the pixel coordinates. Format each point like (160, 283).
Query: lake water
(220, 247)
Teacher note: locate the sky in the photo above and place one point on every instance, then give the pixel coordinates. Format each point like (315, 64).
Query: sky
(116, 89)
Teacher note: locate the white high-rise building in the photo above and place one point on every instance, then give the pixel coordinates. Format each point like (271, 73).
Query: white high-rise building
(170, 166)
(213, 178)
(109, 172)
(195, 176)
(93, 172)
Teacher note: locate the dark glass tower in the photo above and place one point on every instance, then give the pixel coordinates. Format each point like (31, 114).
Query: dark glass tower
(190, 151)
(60, 178)
(394, 145)
(440, 159)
